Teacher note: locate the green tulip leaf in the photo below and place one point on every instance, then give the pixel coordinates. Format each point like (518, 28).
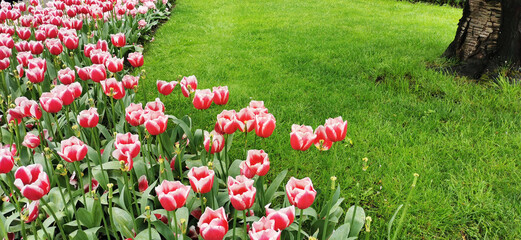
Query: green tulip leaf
(274, 186)
(123, 221)
(359, 220)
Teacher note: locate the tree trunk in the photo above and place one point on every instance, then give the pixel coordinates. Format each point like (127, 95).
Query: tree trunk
(488, 36)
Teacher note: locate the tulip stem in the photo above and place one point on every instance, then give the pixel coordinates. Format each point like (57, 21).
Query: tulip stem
(170, 223)
(404, 212)
(14, 190)
(34, 230)
(245, 141)
(113, 114)
(133, 191)
(58, 126)
(89, 174)
(43, 228)
(49, 125)
(64, 203)
(175, 225)
(131, 188)
(221, 164)
(300, 224)
(202, 202)
(55, 218)
(79, 173)
(245, 222)
(261, 197)
(123, 113)
(92, 130)
(70, 196)
(234, 222)
(179, 161)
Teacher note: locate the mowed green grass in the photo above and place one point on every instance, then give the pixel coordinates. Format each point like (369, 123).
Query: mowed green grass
(366, 61)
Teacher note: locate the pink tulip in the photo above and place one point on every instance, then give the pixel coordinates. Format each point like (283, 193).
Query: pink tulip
(73, 150)
(88, 118)
(172, 195)
(263, 230)
(300, 192)
(35, 75)
(50, 103)
(258, 107)
(94, 184)
(142, 183)
(165, 87)
(203, 99)
(30, 108)
(201, 179)
(98, 72)
(23, 33)
(102, 45)
(221, 95)
(135, 59)
(5, 63)
(5, 52)
(35, 47)
(32, 181)
(66, 76)
(336, 129)
(6, 161)
(188, 85)
(118, 40)
(38, 63)
(321, 141)
(23, 58)
(246, 120)
(264, 124)
(215, 139)
(257, 163)
(130, 82)
(241, 192)
(112, 88)
(282, 218)
(134, 114)
(76, 89)
(156, 106)
(114, 64)
(30, 211)
(40, 35)
(87, 49)
(213, 224)
(156, 122)
(227, 122)
(126, 144)
(64, 93)
(84, 73)
(10, 148)
(301, 137)
(98, 56)
(54, 46)
(15, 114)
(71, 41)
(31, 141)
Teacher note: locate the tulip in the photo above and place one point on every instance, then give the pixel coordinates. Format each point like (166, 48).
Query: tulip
(264, 124)
(6, 161)
(23, 58)
(126, 144)
(5, 52)
(246, 120)
(156, 106)
(94, 184)
(130, 82)
(22, 46)
(188, 85)
(201, 179)
(38, 63)
(83, 73)
(6, 40)
(227, 122)
(282, 218)
(161, 218)
(15, 114)
(258, 107)
(134, 114)
(202, 99)
(213, 224)
(114, 64)
(35, 75)
(321, 141)
(30, 108)
(5, 63)
(156, 122)
(102, 45)
(215, 139)
(23, 33)
(40, 35)
(301, 137)
(31, 141)
(97, 72)
(118, 40)
(112, 88)
(32, 181)
(142, 183)
(35, 47)
(172, 195)
(73, 150)
(87, 49)
(76, 89)
(98, 56)
(257, 163)
(54, 46)
(263, 229)
(30, 211)
(64, 93)
(11, 148)
(88, 118)
(241, 192)
(165, 87)
(50, 103)
(301, 193)
(135, 59)
(221, 95)
(336, 129)
(71, 41)
(66, 76)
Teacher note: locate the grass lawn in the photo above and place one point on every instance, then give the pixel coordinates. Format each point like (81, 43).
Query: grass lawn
(364, 60)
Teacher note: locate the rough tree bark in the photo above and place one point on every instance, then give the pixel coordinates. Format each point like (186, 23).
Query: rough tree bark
(488, 36)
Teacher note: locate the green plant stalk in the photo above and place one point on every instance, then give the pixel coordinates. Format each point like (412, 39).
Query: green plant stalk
(10, 182)
(147, 164)
(245, 222)
(113, 114)
(202, 202)
(300, 224)
(55, 218)
(261, 197)
(123, 112)
(181, 155)
(80, 179)
(43, 228)
(64, 204)
(221, 164)
(49, 124)
(407, 203)
(70, 192)
(34, 230)
(99, 152)
(175, 224)
(169, 216)
(131, 188)
(234, 222)
(58, 126)
(356, 202)
(148, 221)
(89, 173)
(326, 222)
(111, 219)
(133, 191)
(245, 140)
(106, 226)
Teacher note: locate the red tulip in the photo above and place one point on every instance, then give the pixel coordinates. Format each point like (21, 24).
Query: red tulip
(156, 106)
(142, 183)
(202, 99)
(40, 35)
(135, 59)
(126, 144)
(32, 181)
(30, 108)
(102, 45)
(30, 211)
(71, 41)
(35, 75)
(172, 195)
(114, 64)
(264, 124)
(22, 46)
(84, 73)
(201, 179)
(54, 46)
(336, 129)
(6, 161)
(263, 230)
(31, 141)
(73, 150)
(87, 49)
(10, 148)
(321, 141)
(241, 192)
(258, 107)
(300, 192)
(97, 72)
(76, 89)
(165, 87)
(130, 82)
(23, 58)
(227, 122)
(188, 85)
(257, 163)
(36, 47)
(301, 137)
(23, 33)
(6, 40)
(156, 122)
(246, 120)
(66, 76)
(118, 40)
(282, 218)
(94, 184)
(215, 139)
(15, 114)
(98, 56)
(88, 118)
(5, 52)
(213, 224)
(5, 63)
(220, 95)
(112, 88)
(50, 103)
(64, 93)
(38, 63)
(161, 218)
(134, 114)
